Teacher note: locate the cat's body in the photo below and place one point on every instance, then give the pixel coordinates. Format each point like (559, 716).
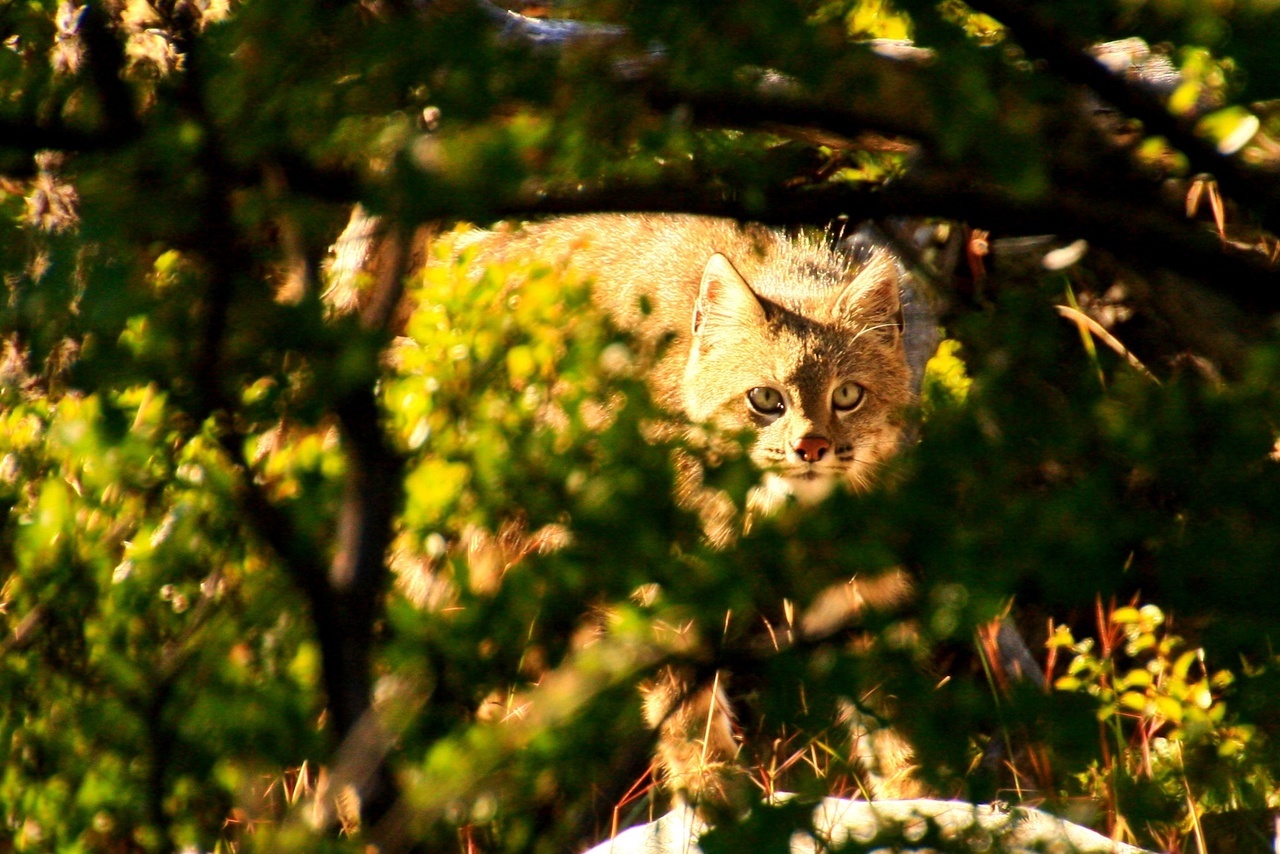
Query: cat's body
(779, 335)
(743, 327)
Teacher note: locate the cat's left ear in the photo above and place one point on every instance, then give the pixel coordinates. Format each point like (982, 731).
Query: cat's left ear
(726, 303)
(873, 295)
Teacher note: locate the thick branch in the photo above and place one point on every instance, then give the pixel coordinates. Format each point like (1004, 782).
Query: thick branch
(30, 138)
(344, 595)
(1139, 234)
(106, 65)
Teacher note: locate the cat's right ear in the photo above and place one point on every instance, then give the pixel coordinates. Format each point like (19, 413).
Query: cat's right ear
(725, 300)
(873, 296)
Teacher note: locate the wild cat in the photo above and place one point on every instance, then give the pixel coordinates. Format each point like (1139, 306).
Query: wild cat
(770, 333)
(754, 330)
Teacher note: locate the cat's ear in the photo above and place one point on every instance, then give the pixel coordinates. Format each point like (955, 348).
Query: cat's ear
(725, 300)
(873, 295)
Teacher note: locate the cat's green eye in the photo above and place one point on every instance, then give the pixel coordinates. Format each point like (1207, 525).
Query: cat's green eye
(846, 397)
(766, 401)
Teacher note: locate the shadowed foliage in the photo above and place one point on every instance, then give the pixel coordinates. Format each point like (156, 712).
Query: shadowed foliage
(281, 571)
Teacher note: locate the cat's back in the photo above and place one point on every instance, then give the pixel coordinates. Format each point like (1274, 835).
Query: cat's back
(646, 268)
(779, 307)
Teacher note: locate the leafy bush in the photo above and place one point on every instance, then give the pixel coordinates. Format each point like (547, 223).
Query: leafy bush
(275, 575)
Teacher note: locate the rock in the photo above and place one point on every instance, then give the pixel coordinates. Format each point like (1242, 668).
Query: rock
(839, 821)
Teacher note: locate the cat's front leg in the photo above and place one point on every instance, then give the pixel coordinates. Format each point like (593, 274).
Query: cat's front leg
(697, 750)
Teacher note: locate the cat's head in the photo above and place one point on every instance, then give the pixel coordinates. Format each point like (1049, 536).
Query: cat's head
(821, 375)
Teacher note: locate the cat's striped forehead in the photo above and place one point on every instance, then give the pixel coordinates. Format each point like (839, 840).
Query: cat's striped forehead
(804, 352)
(800, 274)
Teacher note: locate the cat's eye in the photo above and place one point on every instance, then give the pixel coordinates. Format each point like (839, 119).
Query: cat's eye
(847, 396)
(766, 401)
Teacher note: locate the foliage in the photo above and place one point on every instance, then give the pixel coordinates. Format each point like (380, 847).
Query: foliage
(278, 574)
(1170, 737)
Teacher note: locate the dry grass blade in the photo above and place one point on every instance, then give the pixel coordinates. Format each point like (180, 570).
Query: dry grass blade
(639, 789)
(1098, 331)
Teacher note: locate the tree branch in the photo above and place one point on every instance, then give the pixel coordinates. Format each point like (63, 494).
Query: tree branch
(344, 595)
(1255, 188)
(106, 66)
(30, 138)
(106, 62)
(1133, 232)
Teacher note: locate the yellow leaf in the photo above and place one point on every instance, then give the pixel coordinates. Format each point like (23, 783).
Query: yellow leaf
(1183, 665)
(432, 488)
(1135, 679)
(1061, 638)
(1135, 700)
(1185, 97)
(520, 364)
(1139, 644)
(1230, 128)
(1125, 615)
(1169, 708)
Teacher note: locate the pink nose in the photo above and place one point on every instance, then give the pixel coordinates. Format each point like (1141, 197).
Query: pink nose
(810, 449)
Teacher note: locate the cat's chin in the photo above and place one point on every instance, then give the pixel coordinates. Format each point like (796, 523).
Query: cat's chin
(775, 488)
(811, 487)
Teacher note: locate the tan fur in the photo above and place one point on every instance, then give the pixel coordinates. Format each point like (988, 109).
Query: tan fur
(770, 310)
(696, 745)
(719, 309)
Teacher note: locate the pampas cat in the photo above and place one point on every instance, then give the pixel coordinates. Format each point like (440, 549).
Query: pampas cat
(770, 333)
(759, 331)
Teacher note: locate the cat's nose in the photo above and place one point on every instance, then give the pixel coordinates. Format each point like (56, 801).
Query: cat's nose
(810, 449)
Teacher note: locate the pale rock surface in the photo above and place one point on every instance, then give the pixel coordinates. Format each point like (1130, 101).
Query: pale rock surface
(837, 821)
